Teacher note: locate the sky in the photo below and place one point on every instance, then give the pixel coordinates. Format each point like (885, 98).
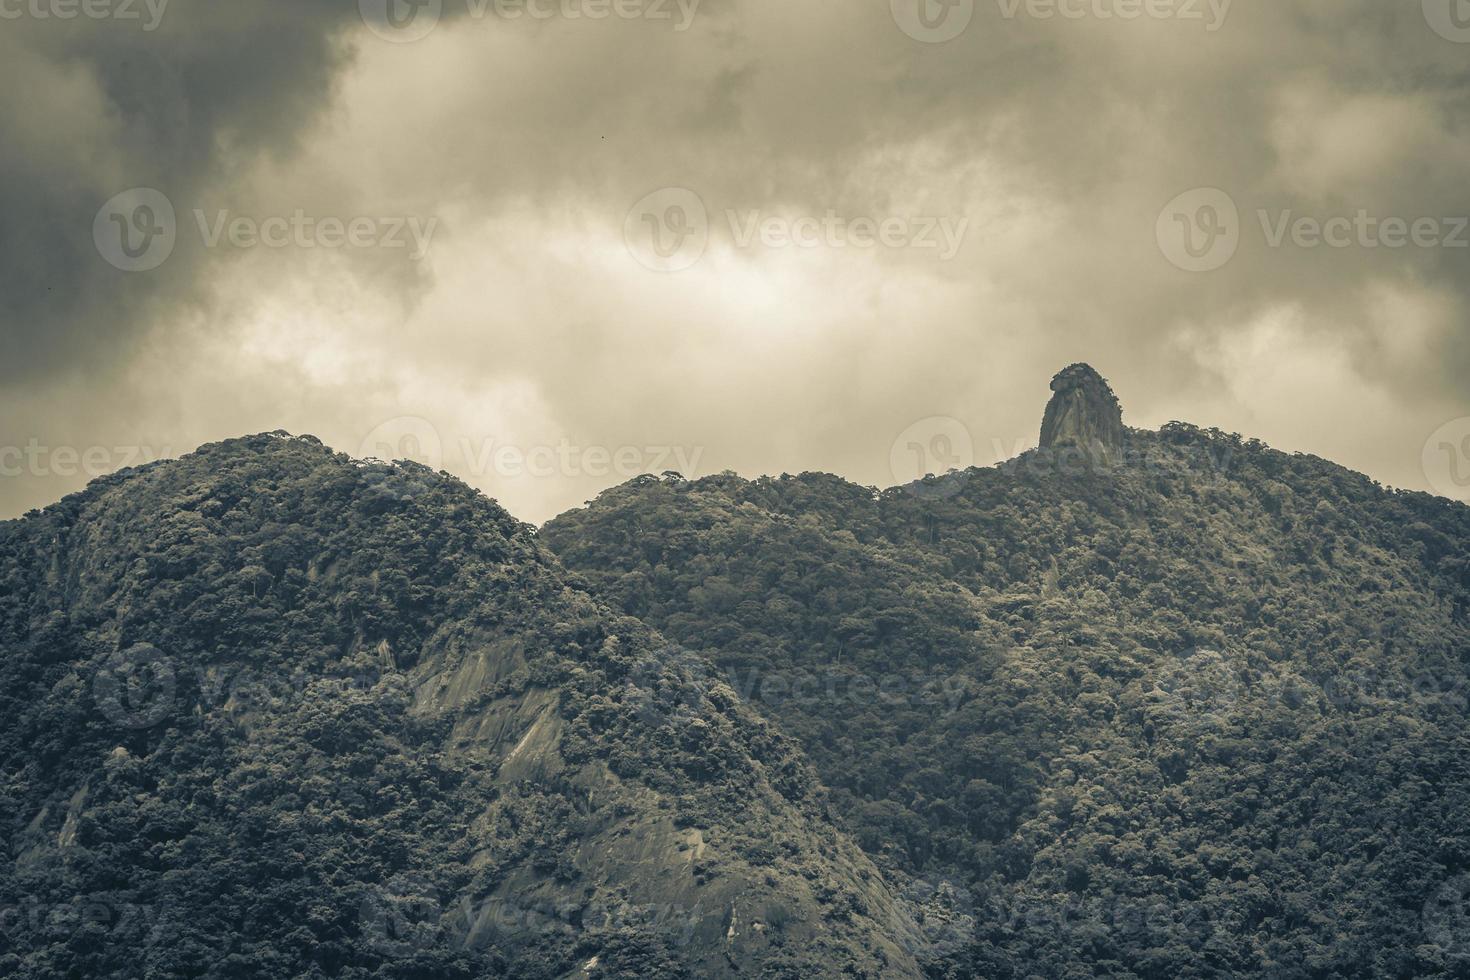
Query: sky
(548, 245)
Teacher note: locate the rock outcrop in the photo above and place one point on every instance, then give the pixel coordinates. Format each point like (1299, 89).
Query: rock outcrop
(1083, 413)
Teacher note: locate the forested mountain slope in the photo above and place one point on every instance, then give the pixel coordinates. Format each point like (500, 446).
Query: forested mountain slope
(266, 711)
(1178, 705)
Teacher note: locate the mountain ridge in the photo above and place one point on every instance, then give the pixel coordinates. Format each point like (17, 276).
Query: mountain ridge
(324, 715)
(1127, 712)
(1195, 616)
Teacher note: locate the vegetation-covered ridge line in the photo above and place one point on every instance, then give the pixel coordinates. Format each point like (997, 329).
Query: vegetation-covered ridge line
(336, 717)
(1211, 712)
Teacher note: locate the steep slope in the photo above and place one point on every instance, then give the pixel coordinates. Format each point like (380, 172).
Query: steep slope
(1190, 708)
(268, 711)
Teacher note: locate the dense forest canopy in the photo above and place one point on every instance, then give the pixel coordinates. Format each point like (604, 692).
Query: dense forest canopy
(1195, 708)
(1135, 704)
(268, 711)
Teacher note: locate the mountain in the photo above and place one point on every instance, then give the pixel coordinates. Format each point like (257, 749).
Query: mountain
(1136, 704)
(269, 711)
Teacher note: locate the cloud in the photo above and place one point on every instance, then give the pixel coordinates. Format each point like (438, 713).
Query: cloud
(93, 107)
(1056, 140)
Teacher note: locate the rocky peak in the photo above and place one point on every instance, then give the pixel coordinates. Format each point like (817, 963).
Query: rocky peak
(1083, 412)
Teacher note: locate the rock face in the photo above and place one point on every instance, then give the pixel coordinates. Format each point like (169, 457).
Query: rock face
(1083, 413)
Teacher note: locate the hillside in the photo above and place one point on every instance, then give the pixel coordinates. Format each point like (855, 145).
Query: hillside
(1139, 704)
(266, 711)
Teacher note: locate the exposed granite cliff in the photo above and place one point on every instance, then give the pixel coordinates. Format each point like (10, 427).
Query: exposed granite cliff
(1083, 413)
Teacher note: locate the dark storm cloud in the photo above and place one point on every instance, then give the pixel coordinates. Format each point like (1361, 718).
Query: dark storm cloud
(167, 95)
(1057, 130)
